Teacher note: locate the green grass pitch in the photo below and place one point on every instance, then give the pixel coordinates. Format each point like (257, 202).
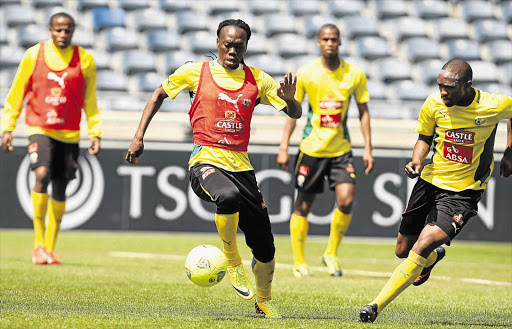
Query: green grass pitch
(137, 280)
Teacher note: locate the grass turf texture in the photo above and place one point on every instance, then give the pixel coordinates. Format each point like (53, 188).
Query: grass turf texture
(146, 287)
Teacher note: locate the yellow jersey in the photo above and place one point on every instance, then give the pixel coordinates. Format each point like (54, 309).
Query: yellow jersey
(187, 76)
(329, 94)
(463, 139)
(57, 59)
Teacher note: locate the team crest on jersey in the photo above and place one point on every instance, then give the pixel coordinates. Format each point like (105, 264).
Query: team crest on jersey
(246, 102)
(480, 121)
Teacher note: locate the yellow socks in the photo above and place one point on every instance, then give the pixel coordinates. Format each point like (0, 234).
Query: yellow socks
(339, 225)
(227, 226)
(40, 205)
(403, 276)
(298, 233)
(263, 273)
(56, 211)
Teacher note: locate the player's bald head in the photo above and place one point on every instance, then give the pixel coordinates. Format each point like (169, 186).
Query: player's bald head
(459, 69)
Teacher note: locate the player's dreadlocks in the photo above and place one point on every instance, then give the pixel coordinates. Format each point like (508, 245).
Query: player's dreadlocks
(236, 23)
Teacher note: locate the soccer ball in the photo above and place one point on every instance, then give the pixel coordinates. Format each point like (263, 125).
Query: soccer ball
(206, 265)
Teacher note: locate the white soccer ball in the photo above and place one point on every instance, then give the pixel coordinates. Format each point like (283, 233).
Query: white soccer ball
(206, 265)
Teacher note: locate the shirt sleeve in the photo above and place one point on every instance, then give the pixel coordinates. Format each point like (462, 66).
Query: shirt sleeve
(361, 91)
(14, 100)
(426, 122)
(92, 112)
(268, 89)
(186, 77)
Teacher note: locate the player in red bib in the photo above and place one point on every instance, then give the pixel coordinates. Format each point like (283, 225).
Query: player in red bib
(225, 92)
(57, 79)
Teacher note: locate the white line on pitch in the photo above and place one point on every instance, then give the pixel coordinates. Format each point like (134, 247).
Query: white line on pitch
(128, 254)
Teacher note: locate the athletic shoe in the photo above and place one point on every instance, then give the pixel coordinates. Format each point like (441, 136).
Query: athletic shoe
(267, 309)
(240, 282)
(301, 271)
(39, 255)
(425, 274)
(368, 313)
(53, 258)
(332, 263)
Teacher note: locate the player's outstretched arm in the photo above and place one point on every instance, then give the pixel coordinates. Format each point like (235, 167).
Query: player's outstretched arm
(506, 161)
(364, 117)
(152, 106)
(286, 92)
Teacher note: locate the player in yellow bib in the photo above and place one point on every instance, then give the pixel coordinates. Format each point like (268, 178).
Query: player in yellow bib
(462, 122)
(325, 150)
(225, 92)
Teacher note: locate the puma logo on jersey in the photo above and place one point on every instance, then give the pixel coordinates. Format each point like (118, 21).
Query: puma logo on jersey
(60, 80)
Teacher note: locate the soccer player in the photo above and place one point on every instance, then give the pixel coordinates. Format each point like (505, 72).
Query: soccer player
(58, 79)
(225, 92)
(325, 150)
(462, 123)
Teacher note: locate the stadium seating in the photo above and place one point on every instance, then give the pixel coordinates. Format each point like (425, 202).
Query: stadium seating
(86, 5)
(499, 51)
(303, 7)
(118, 39)
(431, 9)
(468, 50)
(174, 6)
(477, 9)
(150, 19)
(263, 7)
(30, 35)
(162, 41)
(386, 9)
(373, 47)
(17, 15)
(396, 42)
(139, 61)
(107, 18)
(489, 29)
(420, 49)
(46, 3)
(345, 8)
(130, 5)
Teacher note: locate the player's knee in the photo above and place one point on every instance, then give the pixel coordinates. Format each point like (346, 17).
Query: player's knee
(345, 208)
(228, 201)
(265, 253)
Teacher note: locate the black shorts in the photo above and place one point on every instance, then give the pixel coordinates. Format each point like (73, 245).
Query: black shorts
(61, 158)
(431, 205)
(237, 192)
(310, 172)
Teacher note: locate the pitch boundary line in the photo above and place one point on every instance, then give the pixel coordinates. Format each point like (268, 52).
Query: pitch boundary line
(145, 255)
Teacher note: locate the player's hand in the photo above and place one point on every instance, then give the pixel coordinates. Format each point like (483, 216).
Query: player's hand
(506, 163)
(7, 142)
(94, 145)
(412, 169)
(287, 87)
(368, 161)
(135, 150)
(282, 159)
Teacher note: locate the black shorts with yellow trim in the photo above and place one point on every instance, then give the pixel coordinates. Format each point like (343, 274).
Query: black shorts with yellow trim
(61, 158)
(430, 205)
(310, 172)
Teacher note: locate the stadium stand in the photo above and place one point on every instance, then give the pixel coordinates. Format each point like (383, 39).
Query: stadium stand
(400, 44)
